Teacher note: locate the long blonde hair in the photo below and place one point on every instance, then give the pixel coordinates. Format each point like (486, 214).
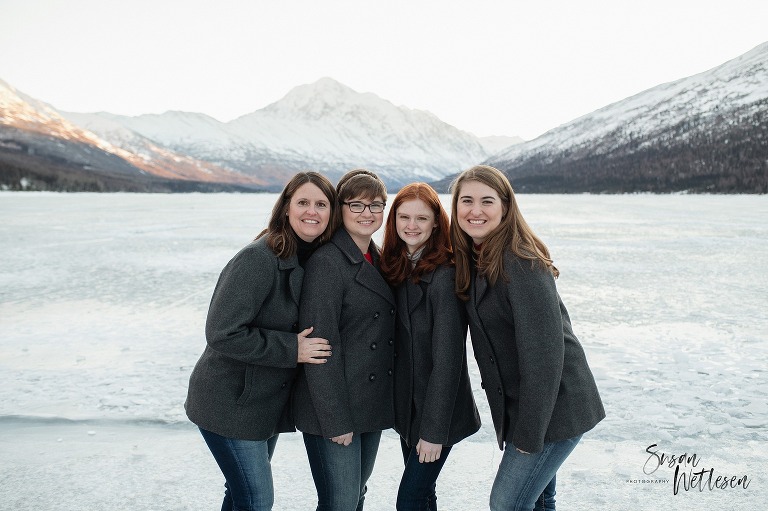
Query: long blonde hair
(513, 234)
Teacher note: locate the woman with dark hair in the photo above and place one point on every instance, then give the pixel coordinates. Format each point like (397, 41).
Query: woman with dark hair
(239, 390)
(434, 407)
(541, 392)
(342, 406)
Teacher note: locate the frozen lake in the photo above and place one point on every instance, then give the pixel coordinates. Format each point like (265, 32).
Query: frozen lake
(103, 300)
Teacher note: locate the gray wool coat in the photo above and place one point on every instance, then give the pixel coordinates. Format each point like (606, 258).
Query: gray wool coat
(433, 396)
(534, 370)
(348, 302)
(241, 385)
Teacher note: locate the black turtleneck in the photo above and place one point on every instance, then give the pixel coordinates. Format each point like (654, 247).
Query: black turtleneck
(304, 249)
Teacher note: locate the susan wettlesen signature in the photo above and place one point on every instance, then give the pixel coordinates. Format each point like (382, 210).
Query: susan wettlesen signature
(688, 475)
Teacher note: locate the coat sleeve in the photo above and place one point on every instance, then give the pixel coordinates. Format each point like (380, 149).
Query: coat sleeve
(540, 345)
(449, 335)
(322, 298)
(244, 286)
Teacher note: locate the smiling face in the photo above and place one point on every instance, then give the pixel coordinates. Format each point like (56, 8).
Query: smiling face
(479, 210)
(361, 226)
(309, 212)
(414, 222)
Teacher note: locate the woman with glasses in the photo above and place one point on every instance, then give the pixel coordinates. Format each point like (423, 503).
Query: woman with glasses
(434, 407)
(239, 390)
(541, 392)
(342, 406)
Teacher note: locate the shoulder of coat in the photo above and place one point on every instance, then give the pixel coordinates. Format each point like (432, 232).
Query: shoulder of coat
(258, 249)
(443, 278)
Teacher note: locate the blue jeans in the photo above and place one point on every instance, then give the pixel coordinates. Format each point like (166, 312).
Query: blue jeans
(527, 481)
(417, 487)
(341, 472)
(247, 470)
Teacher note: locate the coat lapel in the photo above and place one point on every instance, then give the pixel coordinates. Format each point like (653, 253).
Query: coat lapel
(416, 293)
(403, 305)
(367, 274)
(409, 296)
(478, 287)
(295, 277)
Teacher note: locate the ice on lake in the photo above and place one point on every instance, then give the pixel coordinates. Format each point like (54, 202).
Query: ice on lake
(103, 300)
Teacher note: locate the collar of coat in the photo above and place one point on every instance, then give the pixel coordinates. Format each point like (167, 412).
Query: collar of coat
(367, 274)
(409, 295)
(296, 275)
(346, 244)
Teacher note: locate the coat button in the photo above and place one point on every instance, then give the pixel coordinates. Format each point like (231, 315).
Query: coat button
(371, 377)
(390, 341)
(373, 345)
(391, 312)
(389, 372)
(283, 385)
(395, 354)
(376, 316)
(491, 357)
(500, 392)
(295, 327)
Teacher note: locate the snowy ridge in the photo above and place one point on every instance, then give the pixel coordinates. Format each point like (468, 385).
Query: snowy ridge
(22, 111)
(325, 126)
(739, 82)
(170, 128)
(144, 152)
(51, 132)
(359, 124)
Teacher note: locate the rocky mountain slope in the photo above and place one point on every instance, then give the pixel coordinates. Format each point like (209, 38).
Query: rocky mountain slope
(42, 149)
(704, 133)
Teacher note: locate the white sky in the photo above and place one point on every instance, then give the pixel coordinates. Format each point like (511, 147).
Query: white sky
(505, 67)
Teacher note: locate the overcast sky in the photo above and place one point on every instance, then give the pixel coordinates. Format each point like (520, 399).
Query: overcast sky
(488, 67)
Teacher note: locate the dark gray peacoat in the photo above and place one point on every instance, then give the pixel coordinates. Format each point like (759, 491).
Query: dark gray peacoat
(534, 370)
(433, 396)
(348, 302)
(240, 387)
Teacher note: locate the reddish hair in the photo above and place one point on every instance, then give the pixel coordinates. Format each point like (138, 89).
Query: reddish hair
(395, 265)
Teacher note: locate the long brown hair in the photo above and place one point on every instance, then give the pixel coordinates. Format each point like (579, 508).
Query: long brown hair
(395, 265)
(513, 234)
(281, 238)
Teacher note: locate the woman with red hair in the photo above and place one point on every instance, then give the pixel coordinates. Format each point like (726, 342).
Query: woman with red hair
(434, 407)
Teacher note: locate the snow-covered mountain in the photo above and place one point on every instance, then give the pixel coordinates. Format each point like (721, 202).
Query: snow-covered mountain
(79, 145)
(17, 110)
(323, 126)
(707, 132)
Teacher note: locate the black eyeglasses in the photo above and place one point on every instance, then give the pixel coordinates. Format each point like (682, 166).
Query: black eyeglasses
(359, 207)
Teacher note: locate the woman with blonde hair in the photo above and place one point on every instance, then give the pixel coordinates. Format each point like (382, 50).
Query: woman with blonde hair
(541, 392)
(434, 407)
(239, 391)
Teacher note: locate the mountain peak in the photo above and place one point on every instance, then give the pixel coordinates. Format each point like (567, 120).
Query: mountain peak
(329, 85)
(314, 100)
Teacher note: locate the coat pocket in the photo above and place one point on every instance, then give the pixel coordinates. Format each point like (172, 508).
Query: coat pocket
(247, 385)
